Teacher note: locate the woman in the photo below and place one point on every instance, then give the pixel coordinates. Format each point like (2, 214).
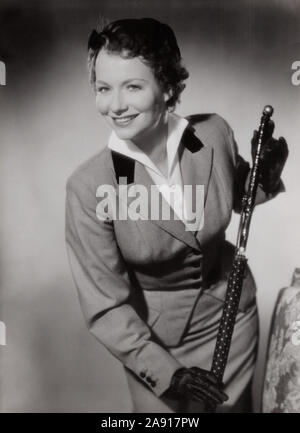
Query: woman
(152, 288)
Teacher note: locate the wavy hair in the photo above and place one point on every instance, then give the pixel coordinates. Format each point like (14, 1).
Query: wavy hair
(149, 39)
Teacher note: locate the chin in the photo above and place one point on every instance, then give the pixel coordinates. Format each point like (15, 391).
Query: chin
(127, 133)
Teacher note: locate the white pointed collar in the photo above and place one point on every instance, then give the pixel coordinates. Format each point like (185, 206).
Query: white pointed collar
(176, 127)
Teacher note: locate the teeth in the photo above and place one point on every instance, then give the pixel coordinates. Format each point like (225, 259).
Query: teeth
(124, 119)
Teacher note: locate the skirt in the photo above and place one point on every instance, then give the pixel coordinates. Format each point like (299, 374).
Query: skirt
(196, 349)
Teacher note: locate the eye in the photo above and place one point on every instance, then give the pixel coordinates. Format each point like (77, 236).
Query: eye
(134, 87)
(102, 89)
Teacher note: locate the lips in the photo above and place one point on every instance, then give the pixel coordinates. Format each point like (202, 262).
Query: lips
(125, 120)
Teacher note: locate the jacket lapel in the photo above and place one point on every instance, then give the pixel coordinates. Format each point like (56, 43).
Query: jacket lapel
(196, 160)
(172, 225)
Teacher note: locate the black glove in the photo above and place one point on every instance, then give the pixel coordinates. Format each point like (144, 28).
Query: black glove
(272, 158)
(196, 384)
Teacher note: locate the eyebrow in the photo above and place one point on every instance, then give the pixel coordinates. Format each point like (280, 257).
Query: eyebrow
(124, 82)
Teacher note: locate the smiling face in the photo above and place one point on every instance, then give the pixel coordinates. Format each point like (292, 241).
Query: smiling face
(129, 97)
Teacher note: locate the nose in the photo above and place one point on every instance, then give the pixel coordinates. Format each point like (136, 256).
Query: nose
(118, 104)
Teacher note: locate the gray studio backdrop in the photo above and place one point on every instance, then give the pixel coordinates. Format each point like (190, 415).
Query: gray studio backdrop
(239, 54)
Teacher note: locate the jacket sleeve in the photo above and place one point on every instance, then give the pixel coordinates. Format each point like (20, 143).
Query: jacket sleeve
(103, 284)
(242, 177)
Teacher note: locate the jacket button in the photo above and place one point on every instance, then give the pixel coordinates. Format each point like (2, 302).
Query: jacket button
(142, 374)
(151, 381)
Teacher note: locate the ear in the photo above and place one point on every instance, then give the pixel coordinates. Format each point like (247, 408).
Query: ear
(168, 95)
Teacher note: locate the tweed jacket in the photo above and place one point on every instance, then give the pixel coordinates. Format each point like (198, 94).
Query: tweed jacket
(138, 280)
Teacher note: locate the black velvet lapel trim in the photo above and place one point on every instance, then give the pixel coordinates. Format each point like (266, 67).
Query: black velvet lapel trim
(190, 141)
(124, 166)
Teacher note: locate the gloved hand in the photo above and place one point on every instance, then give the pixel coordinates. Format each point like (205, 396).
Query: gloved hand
(272, 159)
(196, 384)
